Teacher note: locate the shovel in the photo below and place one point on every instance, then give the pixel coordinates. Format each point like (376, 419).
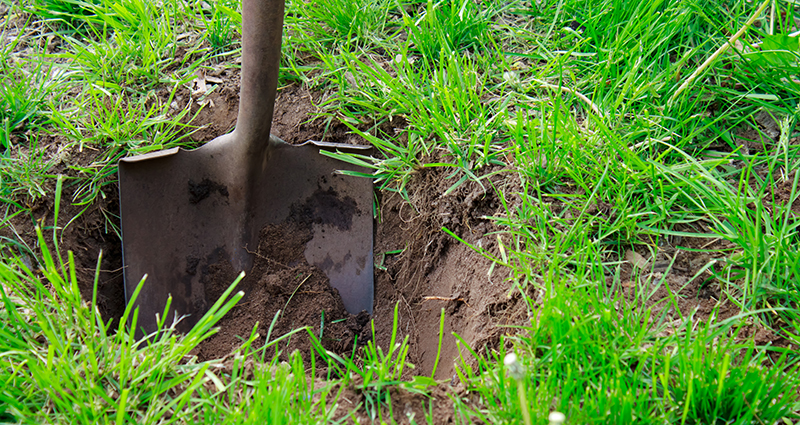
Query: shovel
(183, 211)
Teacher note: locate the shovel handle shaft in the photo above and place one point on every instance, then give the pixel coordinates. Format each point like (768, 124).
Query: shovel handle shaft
(262, 27)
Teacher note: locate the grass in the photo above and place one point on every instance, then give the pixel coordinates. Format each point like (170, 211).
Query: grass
(62, 363)
(69, 14)
(611, 130)
(132, 43)
(118, 127)
(21, 98)
(374, 373)
(584, 358)
(447, 27)
(224, 19)
(345, 22)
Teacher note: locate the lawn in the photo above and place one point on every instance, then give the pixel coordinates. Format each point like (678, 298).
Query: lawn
(581, 207)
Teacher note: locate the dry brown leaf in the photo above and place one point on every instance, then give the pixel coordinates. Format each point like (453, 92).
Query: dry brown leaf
(636, 259)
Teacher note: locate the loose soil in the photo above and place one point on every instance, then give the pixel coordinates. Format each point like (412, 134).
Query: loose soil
(419, 269)
(296, 118)
(283, 284)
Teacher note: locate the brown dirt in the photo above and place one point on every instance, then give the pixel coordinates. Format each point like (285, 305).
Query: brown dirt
(697, 293)
(406, 406)
(282, 283)
(652, 278)
(651, 275)
(297, 119)
(213, 101)
(419, 268)
(87, 231)
(214, 104)
(435, 272)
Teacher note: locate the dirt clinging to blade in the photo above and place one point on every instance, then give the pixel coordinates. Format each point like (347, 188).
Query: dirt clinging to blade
(282, 293)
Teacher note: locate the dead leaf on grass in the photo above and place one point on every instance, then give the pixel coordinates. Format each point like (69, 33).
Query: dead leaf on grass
(636, 259)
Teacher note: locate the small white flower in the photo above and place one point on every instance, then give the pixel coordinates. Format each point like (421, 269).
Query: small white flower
(510, 359)
(556, 418)
(514, 368)
(512, 78)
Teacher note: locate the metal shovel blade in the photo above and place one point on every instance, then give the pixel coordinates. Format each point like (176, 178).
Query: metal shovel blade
(184, 211)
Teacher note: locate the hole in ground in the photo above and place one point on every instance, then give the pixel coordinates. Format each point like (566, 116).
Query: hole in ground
(418, 267)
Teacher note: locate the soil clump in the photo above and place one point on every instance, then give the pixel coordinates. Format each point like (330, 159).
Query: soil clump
(282, 293)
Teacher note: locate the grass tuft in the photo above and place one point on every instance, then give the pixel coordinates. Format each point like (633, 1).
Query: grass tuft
(447, 27)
